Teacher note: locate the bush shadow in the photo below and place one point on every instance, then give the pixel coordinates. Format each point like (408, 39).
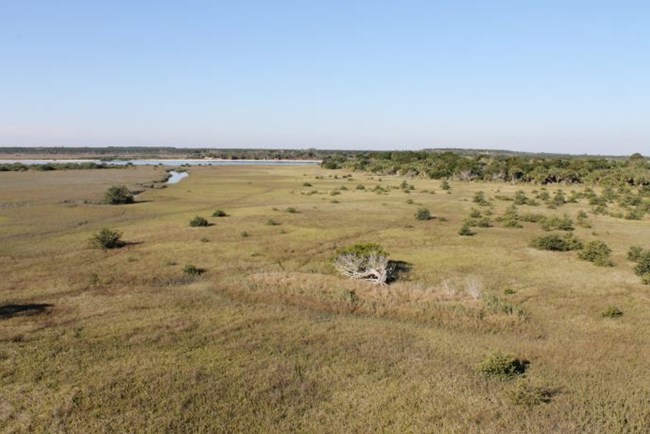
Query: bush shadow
(11, 310)
(398, 270)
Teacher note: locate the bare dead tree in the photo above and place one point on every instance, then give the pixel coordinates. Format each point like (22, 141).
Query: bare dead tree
(374, 268)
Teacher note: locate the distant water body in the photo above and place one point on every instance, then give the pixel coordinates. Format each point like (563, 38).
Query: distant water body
(163, 162)
(176, 177)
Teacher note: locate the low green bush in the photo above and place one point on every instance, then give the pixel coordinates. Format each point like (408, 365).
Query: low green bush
(198, 222)
(612, 312)
(556, 243)
(118, 195)
(642, 267)
(219, 213)
(529, 395)
(466, 231)
(563, 223)
(597, 252)
(107, 239)
(192, 270)
(501, 366)
(634, 253)
(422, 214)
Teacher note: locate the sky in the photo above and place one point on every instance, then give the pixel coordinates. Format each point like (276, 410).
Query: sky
(568, 76)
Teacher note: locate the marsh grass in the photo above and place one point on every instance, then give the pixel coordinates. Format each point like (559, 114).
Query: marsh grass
(271, 339)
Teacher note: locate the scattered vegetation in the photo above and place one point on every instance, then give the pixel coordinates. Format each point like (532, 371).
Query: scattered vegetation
(219, 213)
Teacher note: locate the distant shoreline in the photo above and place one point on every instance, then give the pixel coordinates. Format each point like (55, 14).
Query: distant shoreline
(154, 161)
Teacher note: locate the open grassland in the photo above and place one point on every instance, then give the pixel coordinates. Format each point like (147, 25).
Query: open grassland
(270, 339)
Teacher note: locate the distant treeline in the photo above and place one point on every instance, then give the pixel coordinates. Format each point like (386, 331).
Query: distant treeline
(634, 170)
(109, 151)
(139, 152)
(20, 167)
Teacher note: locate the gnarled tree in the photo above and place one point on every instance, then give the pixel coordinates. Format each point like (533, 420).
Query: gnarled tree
(365, 262)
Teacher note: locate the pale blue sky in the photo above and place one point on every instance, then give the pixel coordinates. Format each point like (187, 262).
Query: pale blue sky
(553, 76)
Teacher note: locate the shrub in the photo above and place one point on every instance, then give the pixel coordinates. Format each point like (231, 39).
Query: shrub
(501, 366)
(556, 243)
(634, 253)
(272, 222)
(219, 213)
(529, 395)
(244, 234)
(612, 312)
(495, 304)
(192, 270)
(521, 198)
(583, 220)
(474, 213)
(532, 218)
(198, 222)
(292, 210)
(510, 218)
(558, 198)
(306, 184)
(107, 239)
(642, 267)
(422, 214)
(118, 195)
(466, 231)
(563, 223)
(479, 197)
(484, 222)
(445, 185)
(597, 252)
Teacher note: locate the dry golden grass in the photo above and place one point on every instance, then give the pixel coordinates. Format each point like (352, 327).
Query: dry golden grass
(270, 339)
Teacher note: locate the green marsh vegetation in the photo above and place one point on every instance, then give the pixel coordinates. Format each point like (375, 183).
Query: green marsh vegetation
(257, 331)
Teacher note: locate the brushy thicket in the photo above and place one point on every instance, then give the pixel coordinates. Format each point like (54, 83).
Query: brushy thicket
(118, 195)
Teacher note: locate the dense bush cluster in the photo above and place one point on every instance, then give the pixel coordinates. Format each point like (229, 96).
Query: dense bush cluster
(510, 167)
